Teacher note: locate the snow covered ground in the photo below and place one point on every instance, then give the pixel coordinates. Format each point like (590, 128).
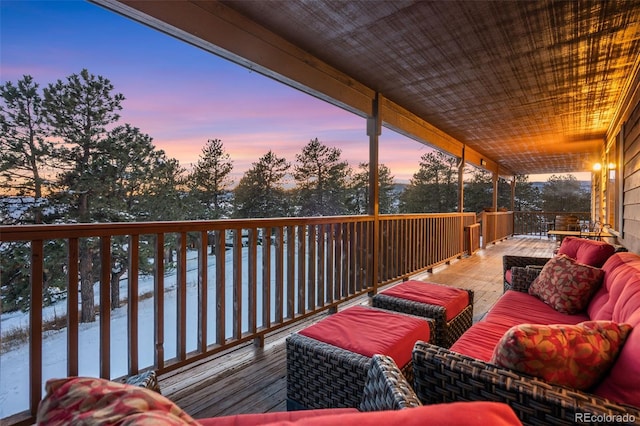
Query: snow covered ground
(14, 367)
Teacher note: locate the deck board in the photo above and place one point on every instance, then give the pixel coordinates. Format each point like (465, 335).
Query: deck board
(248, 379)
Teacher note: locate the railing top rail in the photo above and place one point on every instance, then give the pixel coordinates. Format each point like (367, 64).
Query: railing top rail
(83, 230)
(419, 215)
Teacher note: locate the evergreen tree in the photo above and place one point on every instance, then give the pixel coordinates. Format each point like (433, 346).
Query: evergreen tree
(210, 179)
(79, 112)
(527, 196)
(564, 194)
(434, 187)
(387, 196)
(24, 150)
(261, 192)
(322, 181)
(478, 193)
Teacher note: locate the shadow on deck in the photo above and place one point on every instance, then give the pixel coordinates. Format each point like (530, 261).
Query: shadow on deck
(248, 379)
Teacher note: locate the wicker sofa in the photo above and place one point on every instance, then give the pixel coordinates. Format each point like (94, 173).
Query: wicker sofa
(386, 399)
(465, 373)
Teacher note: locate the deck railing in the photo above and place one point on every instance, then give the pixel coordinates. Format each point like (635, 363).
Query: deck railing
(496, 226)
(539, 222)
(214, 285)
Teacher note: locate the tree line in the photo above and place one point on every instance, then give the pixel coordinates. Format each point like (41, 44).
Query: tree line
(66, 158)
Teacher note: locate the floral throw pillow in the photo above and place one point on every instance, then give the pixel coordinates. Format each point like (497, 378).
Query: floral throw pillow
(566, 285)
(576, 356)
(91, 401)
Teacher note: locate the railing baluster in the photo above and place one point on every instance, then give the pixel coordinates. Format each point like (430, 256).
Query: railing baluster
(203, 281)
(279, 296)
(237, 284)
(35, 322)
(132, 302)
(266, 278)
(253, 280)
(311, 274)
(302, 275)
(158, 292)
(181, 294)
(105, 307)
(221, 332)
(72, 308)
(291, 269)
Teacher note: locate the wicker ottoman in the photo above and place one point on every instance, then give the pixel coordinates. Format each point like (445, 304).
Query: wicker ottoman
(328, 362)
(451, 308)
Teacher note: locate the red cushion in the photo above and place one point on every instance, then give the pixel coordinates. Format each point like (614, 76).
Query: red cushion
(279, 416)
(457, 413)
(619, 300)
(566, 285)
(577, 356)
(370, 331)
(515, 307)
(589, 252)
(480, 340)
(454, 300)
(507, 276)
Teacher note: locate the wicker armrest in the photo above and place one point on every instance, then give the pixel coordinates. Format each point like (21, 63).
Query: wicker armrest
(386, 387)
(509, 262)
(521, 278)
(445, 376)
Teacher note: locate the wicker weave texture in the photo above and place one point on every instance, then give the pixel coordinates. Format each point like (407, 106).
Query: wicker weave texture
(446, 333)
(148, 380)
(510, 261)
(320, 375)
(386, 387)
(445, 376)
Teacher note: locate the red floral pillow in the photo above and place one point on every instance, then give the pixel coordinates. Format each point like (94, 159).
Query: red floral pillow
(576, 356)
(566, 285)
(89, 401)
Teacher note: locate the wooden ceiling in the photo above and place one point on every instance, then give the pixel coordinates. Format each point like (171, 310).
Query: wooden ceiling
(534, 86)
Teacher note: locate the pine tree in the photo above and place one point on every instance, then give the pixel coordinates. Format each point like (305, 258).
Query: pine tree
(261, 192)
(564, 194)
(434, 187)
(387, 197)
(79, 111)
(210, 179)
(24, 149)
(322, 181)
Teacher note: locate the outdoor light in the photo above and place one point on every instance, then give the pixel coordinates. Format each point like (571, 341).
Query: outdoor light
(611, 166)
(597, 166)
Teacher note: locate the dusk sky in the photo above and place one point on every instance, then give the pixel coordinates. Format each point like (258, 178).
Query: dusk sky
(180, 95)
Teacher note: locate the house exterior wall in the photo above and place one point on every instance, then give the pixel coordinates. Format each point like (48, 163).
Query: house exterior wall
(630, 194)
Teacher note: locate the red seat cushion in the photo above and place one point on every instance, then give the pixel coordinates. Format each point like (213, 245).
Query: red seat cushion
(370, 331)
(454, 300)
(479, 413)
(480, 340)
(278, 416)
(515, 307)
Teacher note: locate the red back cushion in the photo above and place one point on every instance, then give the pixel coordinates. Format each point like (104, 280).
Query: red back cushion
(619, 300)
(589, 252)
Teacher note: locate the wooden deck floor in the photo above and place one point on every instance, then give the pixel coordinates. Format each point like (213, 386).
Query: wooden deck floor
(248, 379)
